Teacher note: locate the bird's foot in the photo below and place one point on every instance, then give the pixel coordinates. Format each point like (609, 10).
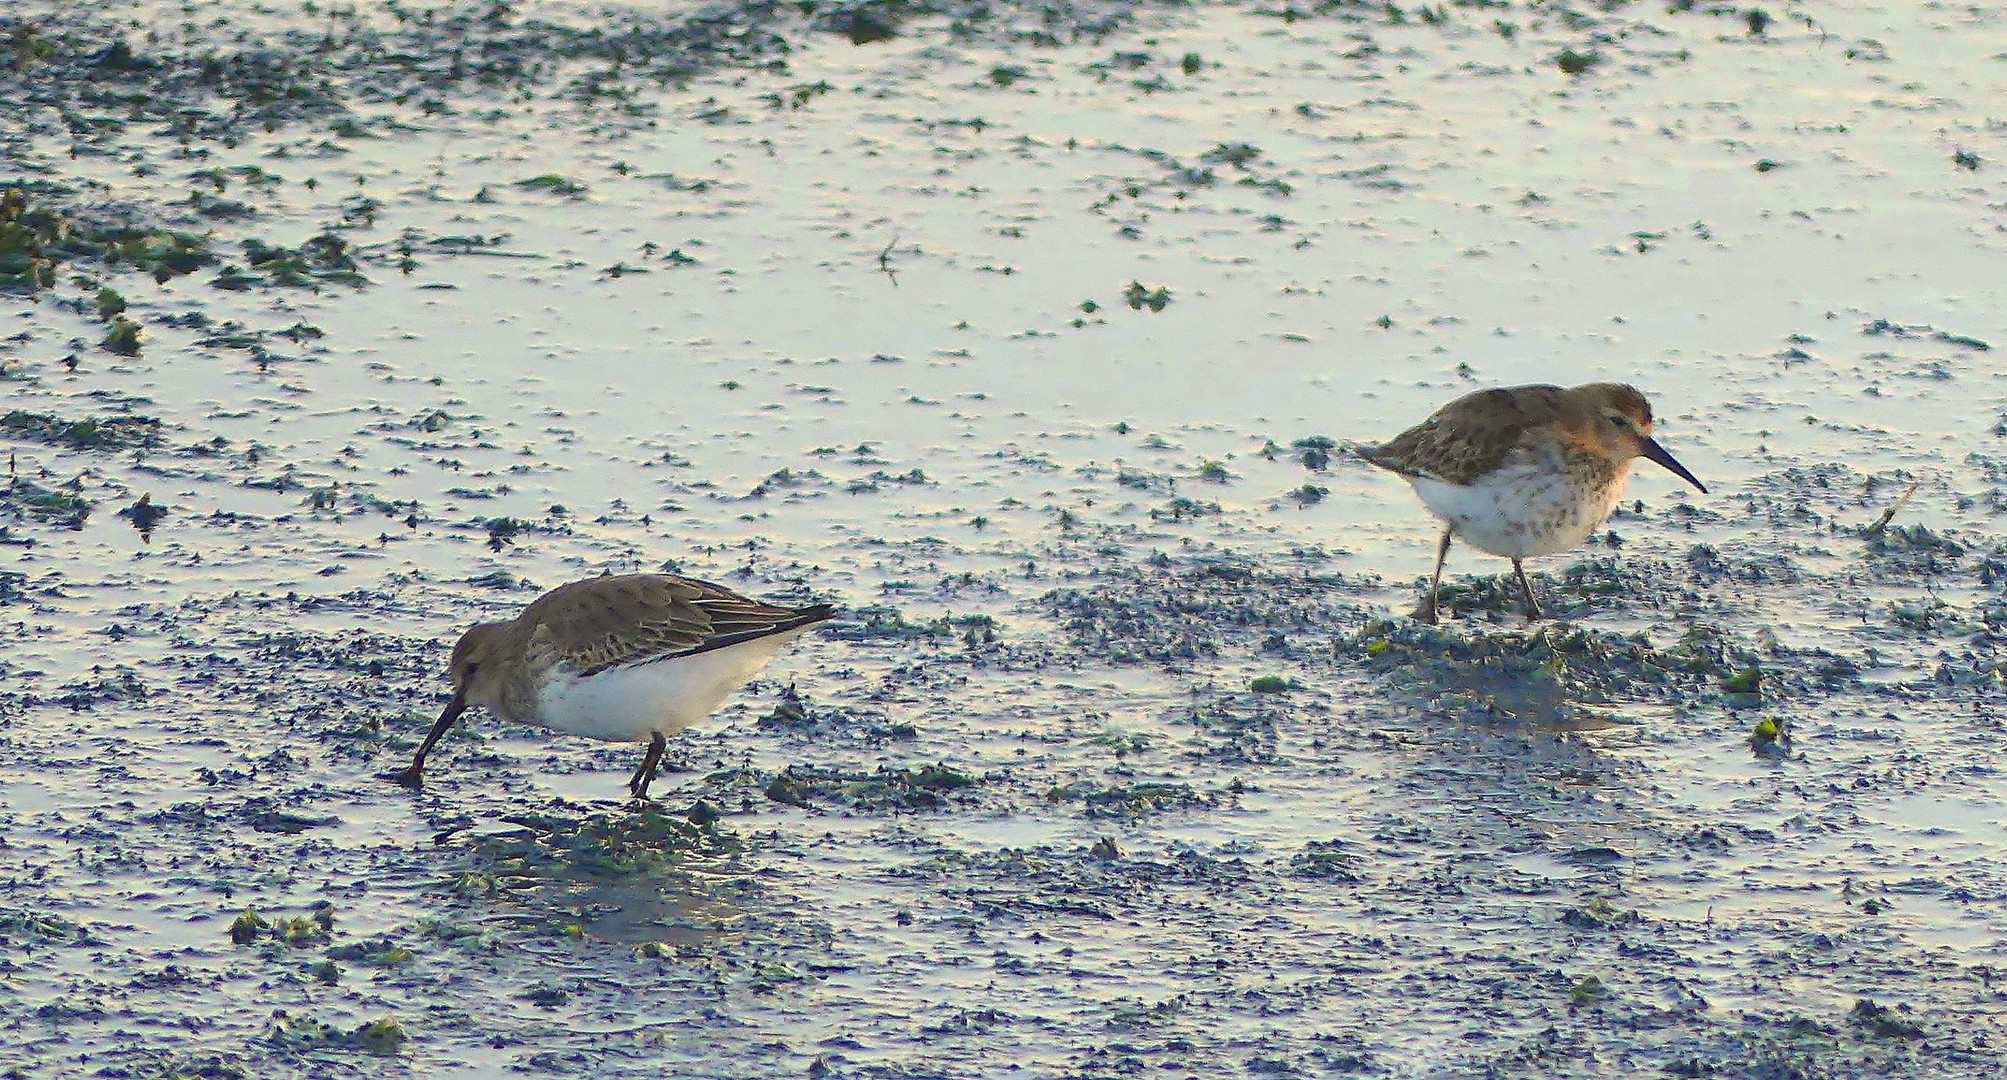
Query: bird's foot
(413, 778)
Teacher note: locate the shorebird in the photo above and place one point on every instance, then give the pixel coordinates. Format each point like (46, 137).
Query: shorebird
(629, 658)
(1524, 471)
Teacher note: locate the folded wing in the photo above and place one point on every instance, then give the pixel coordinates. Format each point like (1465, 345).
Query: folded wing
(1468, 437)
(593, 625)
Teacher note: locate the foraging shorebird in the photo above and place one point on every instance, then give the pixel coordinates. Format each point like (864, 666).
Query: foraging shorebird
(1530, 470)
(629, 658)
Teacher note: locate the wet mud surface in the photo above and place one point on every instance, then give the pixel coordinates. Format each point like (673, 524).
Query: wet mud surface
(1034, 337)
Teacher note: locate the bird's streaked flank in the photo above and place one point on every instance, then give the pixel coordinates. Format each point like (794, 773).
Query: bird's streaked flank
(1530, 470)
(632, 658)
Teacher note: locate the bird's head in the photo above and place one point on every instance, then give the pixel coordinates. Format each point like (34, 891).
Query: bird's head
(1620, 425)
(473, 670)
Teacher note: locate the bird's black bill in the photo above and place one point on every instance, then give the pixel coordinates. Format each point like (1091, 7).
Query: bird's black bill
(1657, 453)
(414, 777)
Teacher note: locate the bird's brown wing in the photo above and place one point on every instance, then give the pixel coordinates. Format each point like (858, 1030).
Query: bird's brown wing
(589, 626)
(1469, 436)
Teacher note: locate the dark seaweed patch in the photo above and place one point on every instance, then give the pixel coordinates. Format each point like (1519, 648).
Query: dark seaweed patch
(1336, 861)
(928, 787)
(83, 70)
(23, 498)
(119, 684)
(306, 1033)
(1547, 674)
(796, 714)
(325, 258)
(1881, 1022)
(37, 236)
(551, 846)
(22, 925)
(1193, 611)
(1133, 800)
(91, 433)
(882, 622)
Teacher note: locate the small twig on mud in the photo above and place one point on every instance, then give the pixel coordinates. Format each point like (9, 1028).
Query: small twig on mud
(885, 261)
(1881, 526)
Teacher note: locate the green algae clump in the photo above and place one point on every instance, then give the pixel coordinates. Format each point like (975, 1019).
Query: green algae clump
(248, 927)
(110, 433)
(36, 238)
(925, 788)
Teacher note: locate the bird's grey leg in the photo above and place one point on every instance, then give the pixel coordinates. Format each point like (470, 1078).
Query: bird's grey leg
(1428, 612)
(638, 783)
(1532, 605)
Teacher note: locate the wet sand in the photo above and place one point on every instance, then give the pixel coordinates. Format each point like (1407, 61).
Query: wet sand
(1033, 338)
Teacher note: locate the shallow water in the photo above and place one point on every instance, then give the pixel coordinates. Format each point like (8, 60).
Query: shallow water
(861, 365)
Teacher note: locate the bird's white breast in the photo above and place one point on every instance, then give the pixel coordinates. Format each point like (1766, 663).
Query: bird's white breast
(1528, 506)
(631, 703)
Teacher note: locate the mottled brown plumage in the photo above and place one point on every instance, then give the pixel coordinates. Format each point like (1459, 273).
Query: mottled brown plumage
(1472, 435)
(1528, 470)
(616, 657)
(589, 626)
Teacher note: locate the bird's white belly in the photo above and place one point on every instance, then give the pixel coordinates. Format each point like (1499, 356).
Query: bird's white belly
(634, 702)
(1522, 509)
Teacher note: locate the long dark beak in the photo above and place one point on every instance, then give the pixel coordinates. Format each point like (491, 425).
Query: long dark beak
(413, 777)
(1653, 451)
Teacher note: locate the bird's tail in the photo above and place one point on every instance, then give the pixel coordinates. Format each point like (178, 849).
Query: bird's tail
(1366, 452)
(814, 613)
